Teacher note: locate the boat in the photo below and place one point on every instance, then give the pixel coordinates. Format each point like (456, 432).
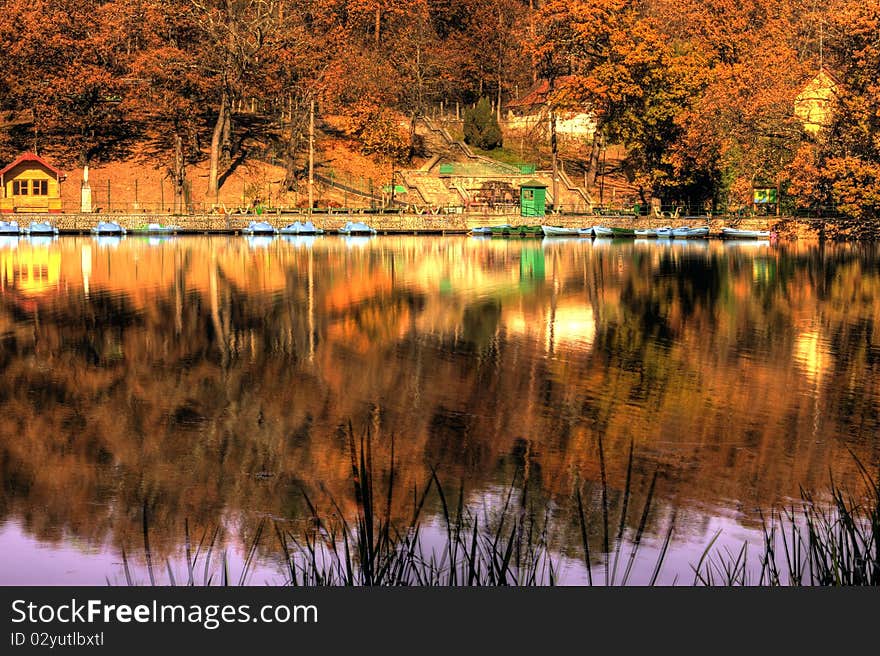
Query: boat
(733, 233)
(585, 232)
(356, 228)
(602, 231)
(259, 228)
(297, 228)
(529, 230)
(557, 231)
(685, 232)
(41, 228)
(9, 228)
(159, 229)
(644, 233)
(664, 233)
(504, 229)
(108, 228)
(623, 232)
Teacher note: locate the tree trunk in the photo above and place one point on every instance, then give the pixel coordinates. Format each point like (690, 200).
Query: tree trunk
(216, 144)
(533, 61)
(412, 135)
(377, 27)
(226, 140)
(179, 175)
(593, 168)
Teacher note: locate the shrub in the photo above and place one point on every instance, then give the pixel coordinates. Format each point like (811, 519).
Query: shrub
(481, 127)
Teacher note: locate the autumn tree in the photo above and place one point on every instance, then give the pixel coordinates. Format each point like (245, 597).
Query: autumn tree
(613, 58)
(68, 78)
(233, 36)
(841, 167)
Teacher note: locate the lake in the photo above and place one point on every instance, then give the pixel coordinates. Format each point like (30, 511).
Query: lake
(212, 380)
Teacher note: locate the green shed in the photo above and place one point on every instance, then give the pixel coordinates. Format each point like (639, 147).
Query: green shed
(532, 198)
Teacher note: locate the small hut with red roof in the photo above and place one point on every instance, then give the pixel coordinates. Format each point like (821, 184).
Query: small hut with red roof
(30, 184)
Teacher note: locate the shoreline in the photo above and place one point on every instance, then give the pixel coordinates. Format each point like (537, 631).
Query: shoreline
(453, 223)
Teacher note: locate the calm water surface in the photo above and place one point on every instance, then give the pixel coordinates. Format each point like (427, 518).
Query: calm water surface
(212, 378)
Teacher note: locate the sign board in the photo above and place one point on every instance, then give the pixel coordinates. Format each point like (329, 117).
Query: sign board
(765, 195)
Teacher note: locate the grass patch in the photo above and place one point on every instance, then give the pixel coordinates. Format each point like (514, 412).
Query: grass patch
(510, 542)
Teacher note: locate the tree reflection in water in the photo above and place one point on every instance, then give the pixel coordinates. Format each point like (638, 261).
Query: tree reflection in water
(213, 381)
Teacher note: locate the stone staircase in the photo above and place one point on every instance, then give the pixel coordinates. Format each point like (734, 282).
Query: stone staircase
(454, 175)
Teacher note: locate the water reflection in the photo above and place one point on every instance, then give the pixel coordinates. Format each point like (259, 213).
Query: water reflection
(213, 380)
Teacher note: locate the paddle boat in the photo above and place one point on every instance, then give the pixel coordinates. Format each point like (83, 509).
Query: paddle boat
(159, 229)
(297, 228)
(108, 228)
(259, 228)
(356, 228)
(41, 228)
(733, 233)
(9, 228)
(557, 231)
(602, 231)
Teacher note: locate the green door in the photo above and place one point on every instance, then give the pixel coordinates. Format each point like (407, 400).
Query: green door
(532, 200)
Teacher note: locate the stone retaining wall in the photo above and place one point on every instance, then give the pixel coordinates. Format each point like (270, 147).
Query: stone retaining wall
(790, 228)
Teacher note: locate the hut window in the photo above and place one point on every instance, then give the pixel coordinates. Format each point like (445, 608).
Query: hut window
(19, 187)
(40, 188)
(528, 194)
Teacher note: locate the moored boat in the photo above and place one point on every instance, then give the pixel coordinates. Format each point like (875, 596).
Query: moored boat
(557, 231)
(356, 228)
(733, 233)
(259, 228)
(602, 231)
(644, 233)
(108, 228)
(664, 233)
(9, 228)
(297, 228)
(41, 228)
(623, 232)
(686, 232)
(159, 229)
